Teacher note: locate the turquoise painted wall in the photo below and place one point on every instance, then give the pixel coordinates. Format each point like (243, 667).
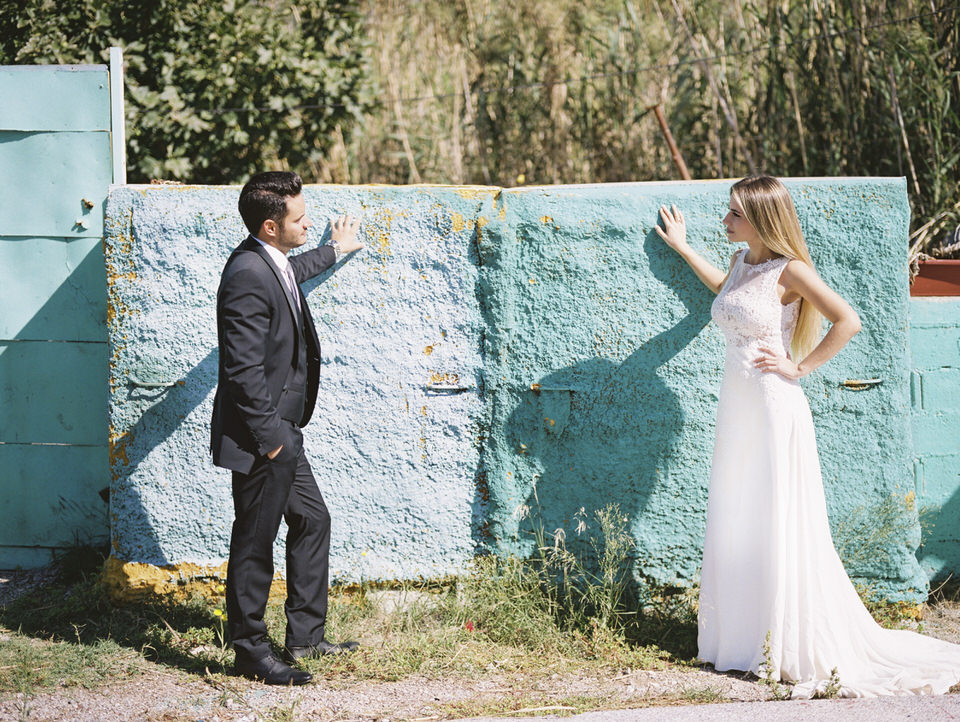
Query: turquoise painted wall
(495, 290)
(55, 156)
(583, 298)
(935, 421)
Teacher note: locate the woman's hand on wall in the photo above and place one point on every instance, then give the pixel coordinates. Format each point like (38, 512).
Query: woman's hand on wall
(674, 234)
(674, 231)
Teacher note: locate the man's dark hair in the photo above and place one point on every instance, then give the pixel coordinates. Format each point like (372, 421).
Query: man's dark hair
(265, 197)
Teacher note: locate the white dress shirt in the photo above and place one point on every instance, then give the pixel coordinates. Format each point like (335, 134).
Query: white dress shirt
(280, 258)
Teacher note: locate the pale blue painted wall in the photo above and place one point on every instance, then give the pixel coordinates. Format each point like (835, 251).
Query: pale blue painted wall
(394, 459)
(562, 286)
(935, 393)
(55, 159)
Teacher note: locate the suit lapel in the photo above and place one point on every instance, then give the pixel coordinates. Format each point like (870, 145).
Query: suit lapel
(309, 328)
(251, 245)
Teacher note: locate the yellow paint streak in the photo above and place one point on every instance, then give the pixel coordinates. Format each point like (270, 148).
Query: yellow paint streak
(131, 581)
(546, 219)
(481, 222)
(428, 350)
(458, 223)
(477, 192)
(445, 378)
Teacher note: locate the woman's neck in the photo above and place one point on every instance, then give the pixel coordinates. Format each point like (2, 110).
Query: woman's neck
(757, 253)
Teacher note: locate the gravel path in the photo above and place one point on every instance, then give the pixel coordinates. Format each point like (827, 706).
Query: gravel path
(175, 697)
(21, 581)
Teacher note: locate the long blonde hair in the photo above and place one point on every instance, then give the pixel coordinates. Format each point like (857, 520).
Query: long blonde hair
(769, 209)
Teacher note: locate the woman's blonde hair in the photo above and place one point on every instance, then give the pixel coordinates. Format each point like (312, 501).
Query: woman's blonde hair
(769, 209)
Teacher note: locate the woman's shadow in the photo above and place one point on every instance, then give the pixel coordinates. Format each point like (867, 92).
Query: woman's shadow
(605, 431)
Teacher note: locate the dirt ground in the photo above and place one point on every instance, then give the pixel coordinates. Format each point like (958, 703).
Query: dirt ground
(169, 696)
(162, 694)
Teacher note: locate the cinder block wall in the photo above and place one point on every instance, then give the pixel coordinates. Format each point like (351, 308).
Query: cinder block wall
(935, 394)
(497, 349)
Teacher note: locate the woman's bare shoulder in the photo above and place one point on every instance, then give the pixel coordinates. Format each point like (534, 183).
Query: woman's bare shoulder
(799, 269)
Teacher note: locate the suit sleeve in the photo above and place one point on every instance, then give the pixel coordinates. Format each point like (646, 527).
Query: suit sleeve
(245, 331)
(309, 264)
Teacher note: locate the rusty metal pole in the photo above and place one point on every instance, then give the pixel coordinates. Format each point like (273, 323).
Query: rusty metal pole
(674, 151)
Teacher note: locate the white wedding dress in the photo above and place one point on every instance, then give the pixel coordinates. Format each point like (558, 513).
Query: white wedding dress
(769, 565)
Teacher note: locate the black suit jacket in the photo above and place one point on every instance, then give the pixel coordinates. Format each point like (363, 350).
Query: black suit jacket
(259, 344)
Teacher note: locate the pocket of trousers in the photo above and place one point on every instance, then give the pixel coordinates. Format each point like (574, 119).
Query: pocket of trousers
(292, 443)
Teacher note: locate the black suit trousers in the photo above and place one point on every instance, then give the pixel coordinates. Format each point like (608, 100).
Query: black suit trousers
(283, 487)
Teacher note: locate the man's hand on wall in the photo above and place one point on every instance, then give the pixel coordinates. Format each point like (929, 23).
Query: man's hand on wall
(343, 231)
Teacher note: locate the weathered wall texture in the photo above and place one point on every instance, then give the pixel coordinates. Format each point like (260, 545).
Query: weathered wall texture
(495, 290)
(583, 298)
(935, 392)
(55, 161)
(395, 459)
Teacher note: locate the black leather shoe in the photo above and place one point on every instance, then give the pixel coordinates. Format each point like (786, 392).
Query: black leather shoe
(271, 670)
(320, 649)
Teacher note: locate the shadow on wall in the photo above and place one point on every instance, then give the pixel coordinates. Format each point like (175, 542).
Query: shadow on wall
(164, 410)
(603, 431)
(939, 543)
(167, 408)
(53, 398)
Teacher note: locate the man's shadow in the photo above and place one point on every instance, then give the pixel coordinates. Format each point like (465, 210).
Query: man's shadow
(164, 407)
(603, 431)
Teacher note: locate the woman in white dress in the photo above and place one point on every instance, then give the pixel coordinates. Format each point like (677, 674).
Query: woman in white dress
(771, 576)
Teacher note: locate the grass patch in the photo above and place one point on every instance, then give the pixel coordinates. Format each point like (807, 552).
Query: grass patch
(493, 620)
(551, 613)
(29, 663)
(560, 610)
(69, 633)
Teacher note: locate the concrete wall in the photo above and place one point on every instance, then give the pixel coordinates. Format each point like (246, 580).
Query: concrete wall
(395, 459)
(494, 290)
(935, 394)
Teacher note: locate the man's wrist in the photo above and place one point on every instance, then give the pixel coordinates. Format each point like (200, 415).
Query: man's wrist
(335, 245)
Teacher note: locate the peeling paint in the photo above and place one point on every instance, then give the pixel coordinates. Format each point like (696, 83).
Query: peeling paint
(590, 343)
(389, 494)
(132, 581)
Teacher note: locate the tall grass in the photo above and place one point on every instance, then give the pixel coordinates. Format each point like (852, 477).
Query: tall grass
(474, 91)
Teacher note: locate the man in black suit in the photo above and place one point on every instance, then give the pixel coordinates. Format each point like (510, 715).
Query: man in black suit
(267, 389)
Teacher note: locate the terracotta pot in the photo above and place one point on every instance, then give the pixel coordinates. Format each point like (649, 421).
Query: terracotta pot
(937, 277)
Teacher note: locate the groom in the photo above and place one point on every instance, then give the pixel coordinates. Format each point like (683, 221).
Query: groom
(268, 378)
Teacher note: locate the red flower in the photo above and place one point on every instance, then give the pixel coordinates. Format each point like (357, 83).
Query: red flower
(469, 626)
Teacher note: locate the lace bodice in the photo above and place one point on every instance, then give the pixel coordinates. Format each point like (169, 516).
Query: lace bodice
(749, 312)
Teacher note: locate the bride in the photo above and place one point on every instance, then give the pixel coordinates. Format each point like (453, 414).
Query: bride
(774, 596)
